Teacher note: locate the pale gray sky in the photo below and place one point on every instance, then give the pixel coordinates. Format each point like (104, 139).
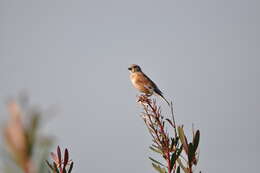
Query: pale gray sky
(75, 54)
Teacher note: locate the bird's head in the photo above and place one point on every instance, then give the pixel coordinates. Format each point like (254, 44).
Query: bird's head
(134, 68)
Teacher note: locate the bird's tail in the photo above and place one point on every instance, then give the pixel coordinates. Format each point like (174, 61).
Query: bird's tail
(164, 99)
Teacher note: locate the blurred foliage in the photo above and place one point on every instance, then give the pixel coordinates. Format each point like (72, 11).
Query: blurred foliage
(169, 140)
(24, 148)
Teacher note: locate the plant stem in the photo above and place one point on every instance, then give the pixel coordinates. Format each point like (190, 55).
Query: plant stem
(168, 157)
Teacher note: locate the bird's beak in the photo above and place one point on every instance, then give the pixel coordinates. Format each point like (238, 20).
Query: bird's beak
(129, 68)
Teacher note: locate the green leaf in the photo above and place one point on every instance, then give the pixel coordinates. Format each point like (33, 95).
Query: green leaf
(173, 159)
(175, 156)
(191, 153)
(178, 169)
(196, 140)
(155, 161)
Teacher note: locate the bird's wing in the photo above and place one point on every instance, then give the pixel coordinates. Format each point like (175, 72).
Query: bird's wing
(153, 85)
(142, 80)
(145, 81)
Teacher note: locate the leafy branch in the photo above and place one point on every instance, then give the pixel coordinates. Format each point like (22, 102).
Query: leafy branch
(170, 145)
(59, 164)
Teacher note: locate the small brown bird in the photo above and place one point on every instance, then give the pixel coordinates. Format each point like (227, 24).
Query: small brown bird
(143, 83)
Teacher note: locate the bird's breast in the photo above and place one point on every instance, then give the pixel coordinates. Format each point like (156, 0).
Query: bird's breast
(138, 82)
(133, 78)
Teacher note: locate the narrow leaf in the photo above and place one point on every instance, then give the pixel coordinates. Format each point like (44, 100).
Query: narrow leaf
(172, 143)
(183, 138)
(175, 156)
(173, 159)
(49, 164)
(71, 166)
(59, 154)
(155, 161)
(170, 122)
(155, 150)
(66, 157)
(158, 168)
(196, 140)
(178, 169)
(191, 153)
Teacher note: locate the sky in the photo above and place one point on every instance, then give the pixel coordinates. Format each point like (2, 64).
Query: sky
(74, 55)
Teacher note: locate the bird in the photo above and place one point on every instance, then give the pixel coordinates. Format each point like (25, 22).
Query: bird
(143, 83)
